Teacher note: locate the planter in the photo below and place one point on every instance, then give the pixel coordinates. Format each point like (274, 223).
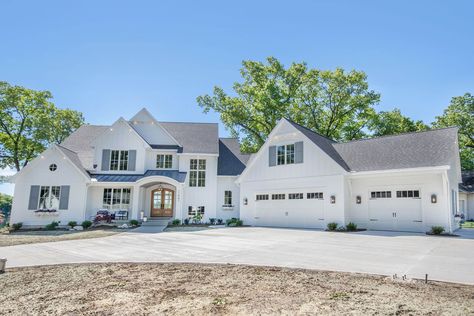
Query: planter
(47, 213)
(2, 265)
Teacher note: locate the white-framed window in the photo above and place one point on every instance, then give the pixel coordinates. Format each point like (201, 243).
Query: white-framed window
(261, 197)
(295, 196)
(118, 160)
(192, 211)
(164, 161)
(53, 167)
(278, 196)
(414, 194)
(381, 194)
(197, 173)
(116, 198)
(49, 197)
(227, 198)
(286, 154)
(314, 195)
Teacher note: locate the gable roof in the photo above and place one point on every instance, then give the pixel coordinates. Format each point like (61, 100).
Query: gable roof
(73, 157)
(467, 184)
(430, 148)
(196, 138)
(231, 161)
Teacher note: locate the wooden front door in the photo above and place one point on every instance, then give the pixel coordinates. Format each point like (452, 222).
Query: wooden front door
(162, 201)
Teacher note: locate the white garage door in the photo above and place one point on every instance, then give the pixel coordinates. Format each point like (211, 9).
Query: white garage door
(397, 209)
(299, 209)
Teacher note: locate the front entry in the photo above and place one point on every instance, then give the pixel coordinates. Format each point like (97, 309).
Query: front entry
(162, 201)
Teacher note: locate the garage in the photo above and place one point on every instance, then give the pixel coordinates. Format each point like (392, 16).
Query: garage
(298, 209)
(395, 209)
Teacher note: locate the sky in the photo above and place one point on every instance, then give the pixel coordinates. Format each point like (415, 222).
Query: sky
(109, 59)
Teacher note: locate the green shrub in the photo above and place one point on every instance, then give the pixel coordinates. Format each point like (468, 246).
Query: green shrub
(332, 226)
(437, 230)
(17, 226)
(176, 221)
(134, 222)
(220, 221)
(351, 227)
(233, 222)
(72, 224)
(86, 224)
(52, 226)
(212, 221)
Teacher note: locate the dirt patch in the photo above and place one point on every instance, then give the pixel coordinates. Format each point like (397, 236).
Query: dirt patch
(36, 236)
(195, 289)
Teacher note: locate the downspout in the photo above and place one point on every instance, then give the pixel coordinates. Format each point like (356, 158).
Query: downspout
(448, 199)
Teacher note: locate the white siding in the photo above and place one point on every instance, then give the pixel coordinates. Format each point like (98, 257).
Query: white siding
(227, 184)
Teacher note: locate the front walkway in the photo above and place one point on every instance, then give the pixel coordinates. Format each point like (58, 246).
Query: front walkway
(386, 253)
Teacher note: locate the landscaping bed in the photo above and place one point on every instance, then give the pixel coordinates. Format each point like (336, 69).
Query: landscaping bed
(42, 235)
(195, 289)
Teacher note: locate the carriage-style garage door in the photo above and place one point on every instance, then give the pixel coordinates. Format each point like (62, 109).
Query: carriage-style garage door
(396, 209)
(299, 209)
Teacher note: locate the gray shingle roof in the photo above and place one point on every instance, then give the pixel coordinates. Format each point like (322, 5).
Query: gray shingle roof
(411, 150)
(174, 174)
(467, 184)
(74, 158)
(80, 143)
(231, 161)
(195, 137)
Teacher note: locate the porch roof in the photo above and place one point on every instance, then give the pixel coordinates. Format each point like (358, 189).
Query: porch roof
(173, 174)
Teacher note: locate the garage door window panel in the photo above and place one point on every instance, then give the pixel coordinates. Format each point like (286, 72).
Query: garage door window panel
(413, 194)
(295, 196)
(381, 194)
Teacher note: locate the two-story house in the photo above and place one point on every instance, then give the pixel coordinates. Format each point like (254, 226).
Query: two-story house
(298, 178)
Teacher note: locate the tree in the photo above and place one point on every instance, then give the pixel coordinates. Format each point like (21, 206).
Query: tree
(29, 123)
(336, 104)
(460, 113)
(393, 122)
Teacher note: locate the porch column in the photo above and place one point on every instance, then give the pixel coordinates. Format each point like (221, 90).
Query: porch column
(179, 202)
(135, 203)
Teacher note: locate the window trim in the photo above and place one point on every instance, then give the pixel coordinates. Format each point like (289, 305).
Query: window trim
(197, 172)
(286, 154)
(122, 197)
(49, 200)
(122, 163)
(227, 198)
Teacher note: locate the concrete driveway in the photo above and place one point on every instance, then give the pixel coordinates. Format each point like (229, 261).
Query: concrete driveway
(386, 253)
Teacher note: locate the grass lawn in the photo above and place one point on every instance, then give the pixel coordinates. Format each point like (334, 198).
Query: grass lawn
(196, 289)
(467, 225)
(36, 236)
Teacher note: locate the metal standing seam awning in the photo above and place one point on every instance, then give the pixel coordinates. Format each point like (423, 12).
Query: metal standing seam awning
(173, 174)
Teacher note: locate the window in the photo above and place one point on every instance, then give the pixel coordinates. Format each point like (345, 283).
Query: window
(286, 154)
(49, 197)
(116, 199)
(278, 196)
(262, 197)
(295, 196)
(314, 195)
(192, 211)
(227, 198)
(119, 160)
(197, 173)
(414, 194)
(380, 194)
(164, 161)
(53, 167)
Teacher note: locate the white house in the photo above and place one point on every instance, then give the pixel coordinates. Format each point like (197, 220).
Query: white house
(466, 195)
(298, 178)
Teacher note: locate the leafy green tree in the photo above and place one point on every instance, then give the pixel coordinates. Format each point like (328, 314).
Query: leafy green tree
(460, 113)
(337, 104)
(29, 122)
(5, 207)
(393, 122)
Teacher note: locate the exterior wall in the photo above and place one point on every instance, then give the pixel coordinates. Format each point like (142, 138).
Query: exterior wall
(227, 184)
(428, 184)
(120, 137)
(38, 173)
(467, 199)
(200, 196)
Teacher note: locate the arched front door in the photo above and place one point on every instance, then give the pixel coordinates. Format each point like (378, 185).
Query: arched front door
(162, 201)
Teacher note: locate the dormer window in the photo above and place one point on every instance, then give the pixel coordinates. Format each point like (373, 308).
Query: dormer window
(119, 160)
(286, 154)
(164, 161)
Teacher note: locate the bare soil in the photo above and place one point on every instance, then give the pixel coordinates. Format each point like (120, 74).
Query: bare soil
(198, 289)
(36, 236)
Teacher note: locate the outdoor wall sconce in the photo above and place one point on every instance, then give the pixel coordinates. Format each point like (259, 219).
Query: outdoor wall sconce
(358, 199)
(333, 199)
(246, 201)
(434, 198)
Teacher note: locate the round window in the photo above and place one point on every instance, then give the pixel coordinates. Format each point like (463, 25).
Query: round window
(53, 167)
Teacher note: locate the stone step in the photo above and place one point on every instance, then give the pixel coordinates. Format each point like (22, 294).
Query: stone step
(156, 222)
